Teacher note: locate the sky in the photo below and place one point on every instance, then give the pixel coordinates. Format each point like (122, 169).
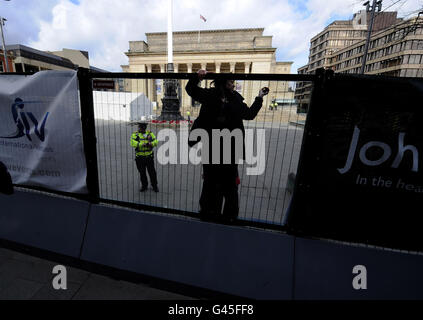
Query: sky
(105, 27)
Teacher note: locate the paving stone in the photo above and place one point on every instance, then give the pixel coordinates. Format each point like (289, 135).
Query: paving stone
(77, 275)
(6, 279)
(40, 271)
(6, 253)
(26, 258)
(103, 288)
(3, 260)
(47, 292)
(21, 289)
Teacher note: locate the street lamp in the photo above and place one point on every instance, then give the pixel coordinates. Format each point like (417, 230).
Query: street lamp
(375, 4)
(2, 20)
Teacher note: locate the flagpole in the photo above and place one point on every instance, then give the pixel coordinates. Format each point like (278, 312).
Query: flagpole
(169, 37)
(171, 104)
(198, 36)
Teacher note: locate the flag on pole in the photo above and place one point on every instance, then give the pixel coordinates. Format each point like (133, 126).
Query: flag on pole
(204, 19)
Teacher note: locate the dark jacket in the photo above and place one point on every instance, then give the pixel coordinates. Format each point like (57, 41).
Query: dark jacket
(214, 114)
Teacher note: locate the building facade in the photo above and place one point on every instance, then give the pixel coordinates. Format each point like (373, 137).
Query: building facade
(340, 47)
(396, 51)
(220, 51)
(10, 59)
(26, 59)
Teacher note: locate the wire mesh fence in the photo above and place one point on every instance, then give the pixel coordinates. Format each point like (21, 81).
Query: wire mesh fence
(263, 197)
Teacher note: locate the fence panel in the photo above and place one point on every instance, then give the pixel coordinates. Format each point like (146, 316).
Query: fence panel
(263, 196)
(359, 177)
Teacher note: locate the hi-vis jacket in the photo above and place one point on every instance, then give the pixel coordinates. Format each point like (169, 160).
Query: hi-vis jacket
(139, 141)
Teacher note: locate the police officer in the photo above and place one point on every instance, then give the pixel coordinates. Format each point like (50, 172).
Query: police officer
(144, 141)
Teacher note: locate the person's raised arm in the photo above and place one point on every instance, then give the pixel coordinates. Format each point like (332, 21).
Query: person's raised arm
(251, 113)
(199, 94)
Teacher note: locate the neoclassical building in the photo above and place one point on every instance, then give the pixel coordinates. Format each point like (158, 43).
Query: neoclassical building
(231, 50)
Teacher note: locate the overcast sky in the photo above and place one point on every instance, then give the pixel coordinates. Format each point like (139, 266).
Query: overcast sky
(104, 27)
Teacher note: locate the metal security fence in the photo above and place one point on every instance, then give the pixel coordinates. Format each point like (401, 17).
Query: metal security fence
(121, 100)
(112, 104)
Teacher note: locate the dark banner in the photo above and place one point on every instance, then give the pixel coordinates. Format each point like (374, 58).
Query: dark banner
(360, 176)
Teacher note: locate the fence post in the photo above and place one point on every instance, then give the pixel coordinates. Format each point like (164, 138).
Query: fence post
(310, 138)
(88, 132)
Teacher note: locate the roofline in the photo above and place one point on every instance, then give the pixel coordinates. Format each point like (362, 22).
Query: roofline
(33, 50)
(30, 53)
(374, 35)
(135, 53)
(206, 31)
(333, 25)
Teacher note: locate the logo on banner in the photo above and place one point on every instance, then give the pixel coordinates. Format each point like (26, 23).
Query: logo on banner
(25, 120)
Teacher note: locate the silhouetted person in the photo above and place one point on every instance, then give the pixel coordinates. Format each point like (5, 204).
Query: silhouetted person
(221, 108)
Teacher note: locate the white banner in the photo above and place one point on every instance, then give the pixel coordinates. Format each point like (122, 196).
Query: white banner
(40, 130)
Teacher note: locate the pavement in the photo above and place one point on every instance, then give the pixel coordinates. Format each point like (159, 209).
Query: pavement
(263, 197)
(25, 277)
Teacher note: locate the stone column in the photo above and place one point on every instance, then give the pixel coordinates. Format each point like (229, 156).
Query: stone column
(186, 98)
(179, 85)
(232, 67)
(149, 92)
(217, 67)
(246, 84)
(247, 67)
(204, 82)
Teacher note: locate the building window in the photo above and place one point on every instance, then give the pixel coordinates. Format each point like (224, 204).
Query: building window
(414, 59)
(402, 46)
(411, 72)
(414, 44)
(31, 68)
(18, 67)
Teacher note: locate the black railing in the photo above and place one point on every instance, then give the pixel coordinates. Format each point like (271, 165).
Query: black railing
(263, 198)
(112, 176)
(327, 203)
